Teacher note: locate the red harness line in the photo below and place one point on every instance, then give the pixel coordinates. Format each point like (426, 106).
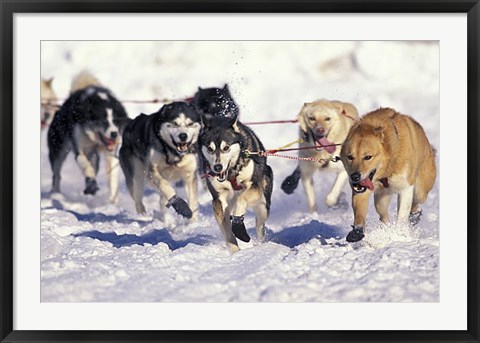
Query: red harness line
(312, 159)
(271, 122)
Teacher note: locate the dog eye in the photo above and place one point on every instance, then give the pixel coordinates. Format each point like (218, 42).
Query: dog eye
(209, 149)
(368, 157)
(327, 119)
(311, 118)
(350, 157)
(191, 124)
(226, 148)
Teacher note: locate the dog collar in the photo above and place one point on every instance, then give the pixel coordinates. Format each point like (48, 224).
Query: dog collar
(384, 182)
(235, 185)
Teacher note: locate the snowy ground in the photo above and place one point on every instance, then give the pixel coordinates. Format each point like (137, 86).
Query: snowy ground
(96, 252)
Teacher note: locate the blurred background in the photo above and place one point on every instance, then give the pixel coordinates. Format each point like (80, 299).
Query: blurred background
(268, 79)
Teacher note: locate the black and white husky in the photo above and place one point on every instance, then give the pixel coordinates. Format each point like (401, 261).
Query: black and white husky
(90, 122)
(236, 180)
(159, 149)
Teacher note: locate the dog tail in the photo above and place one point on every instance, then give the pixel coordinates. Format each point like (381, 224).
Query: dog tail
(83, 80)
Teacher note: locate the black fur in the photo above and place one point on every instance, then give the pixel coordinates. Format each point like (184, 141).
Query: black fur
(217, 102)
(291, 182)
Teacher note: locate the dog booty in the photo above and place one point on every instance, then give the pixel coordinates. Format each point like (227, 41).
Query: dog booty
(355, 235)
(291, 182)
(180, 206)
(239, 230)
(415, 217)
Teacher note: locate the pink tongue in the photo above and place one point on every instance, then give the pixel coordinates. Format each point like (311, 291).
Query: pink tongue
(111, 143)
(326, 145)
(367, 183)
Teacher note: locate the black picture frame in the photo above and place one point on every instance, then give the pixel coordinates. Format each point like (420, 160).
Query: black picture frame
(10, 7)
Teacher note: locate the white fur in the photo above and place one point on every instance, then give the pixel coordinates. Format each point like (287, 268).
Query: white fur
(103, 95)
(182, 124)
(111, 126)
(229, 158)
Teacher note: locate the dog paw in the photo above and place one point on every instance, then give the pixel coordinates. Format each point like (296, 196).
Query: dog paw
(415, 217)
(337, 203)
(91, 186)
(140, 209)
(289, 184)
(239, 230)
(356, 234)
(180, 206)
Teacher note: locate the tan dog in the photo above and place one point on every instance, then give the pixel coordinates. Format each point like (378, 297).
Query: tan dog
(48, 105)
(388, 153)
(322, 123)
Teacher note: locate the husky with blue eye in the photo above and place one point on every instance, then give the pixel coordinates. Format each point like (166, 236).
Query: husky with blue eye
(159, 149)
(237, 180)
(88, 123)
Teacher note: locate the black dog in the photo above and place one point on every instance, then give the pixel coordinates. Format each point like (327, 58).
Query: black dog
(217, 102)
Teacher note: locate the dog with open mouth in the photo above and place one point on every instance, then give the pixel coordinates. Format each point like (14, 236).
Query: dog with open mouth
(388, 153)
(236, 180)
(159, 149)
(323, 124)
(89, 122)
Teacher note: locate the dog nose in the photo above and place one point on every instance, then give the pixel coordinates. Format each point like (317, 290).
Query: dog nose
(114, 134)
(217, 168)
(321, 129)
(183, 136)
(355, 177)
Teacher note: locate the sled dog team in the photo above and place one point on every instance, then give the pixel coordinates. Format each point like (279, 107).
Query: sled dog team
(383, 152)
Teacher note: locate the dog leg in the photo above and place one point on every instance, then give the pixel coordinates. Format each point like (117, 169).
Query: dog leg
(222, 215)
(307, 181)
(113, 174)
(332, 197)
(382, 201)
(163, 186)
(405, 198)
(57, 158)
(360, 207)
(191, 188)
(135, 177)
(88, 171)
(238, 226)
(261, 212)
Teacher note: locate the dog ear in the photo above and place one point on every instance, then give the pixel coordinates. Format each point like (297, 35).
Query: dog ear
(233, 123)
(379, 132)
(301, 119)
(199, 88)
(339, 107)
(226, 89)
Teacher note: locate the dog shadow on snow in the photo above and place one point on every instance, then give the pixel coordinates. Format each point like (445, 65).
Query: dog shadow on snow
(297, 235)
(153, 237)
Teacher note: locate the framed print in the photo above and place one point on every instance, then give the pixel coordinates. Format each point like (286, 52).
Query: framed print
(203, 170)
